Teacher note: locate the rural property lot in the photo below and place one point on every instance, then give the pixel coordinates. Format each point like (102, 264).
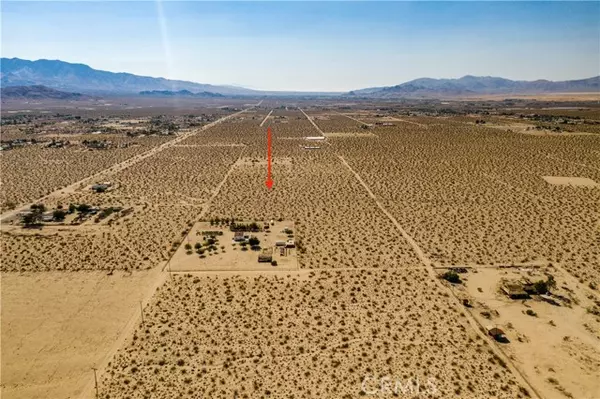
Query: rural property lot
(404, 225)
(210, 247)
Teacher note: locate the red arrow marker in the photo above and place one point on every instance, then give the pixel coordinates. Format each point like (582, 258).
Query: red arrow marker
(269, 181)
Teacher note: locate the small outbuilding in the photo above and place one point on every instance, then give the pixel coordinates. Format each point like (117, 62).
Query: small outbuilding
(47, 216)
(238, 236)
(496, 333)
(265, 256)
(514, 290)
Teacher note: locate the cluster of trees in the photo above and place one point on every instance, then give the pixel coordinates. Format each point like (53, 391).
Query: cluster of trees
(33, 218)
(254, 243)
(245, 227)
(233, 225)
(106, 212)
(222, 221)
(81, 208)
(210, 244)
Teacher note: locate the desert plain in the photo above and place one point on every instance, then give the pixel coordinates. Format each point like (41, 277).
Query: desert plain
(414, 249)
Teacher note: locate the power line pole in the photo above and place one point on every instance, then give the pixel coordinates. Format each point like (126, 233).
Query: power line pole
(95, 381)
(142, 312)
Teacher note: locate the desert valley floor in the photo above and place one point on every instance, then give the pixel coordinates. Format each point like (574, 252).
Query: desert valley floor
(429, 250)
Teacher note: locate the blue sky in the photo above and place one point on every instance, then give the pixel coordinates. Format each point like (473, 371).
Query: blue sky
(326, 46)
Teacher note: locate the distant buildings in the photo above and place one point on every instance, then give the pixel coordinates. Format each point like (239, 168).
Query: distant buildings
(10, 144)
(101, 187)
(97, 144)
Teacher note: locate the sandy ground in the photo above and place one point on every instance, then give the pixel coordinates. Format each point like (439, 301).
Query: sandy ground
(558, 348)
(57, 326)
(318, 334)
(373, 217)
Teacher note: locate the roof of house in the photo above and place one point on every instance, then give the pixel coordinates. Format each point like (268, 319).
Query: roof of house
(494, 330)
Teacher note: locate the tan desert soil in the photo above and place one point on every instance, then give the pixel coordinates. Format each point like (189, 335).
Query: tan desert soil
(56, 326)
(370, 208)
(32, 172)
(317, 335)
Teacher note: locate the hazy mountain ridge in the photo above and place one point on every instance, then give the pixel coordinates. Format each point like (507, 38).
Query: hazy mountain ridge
(477, 85)
(69, 77)
(180, 93)
(38, 92)
(80, 77)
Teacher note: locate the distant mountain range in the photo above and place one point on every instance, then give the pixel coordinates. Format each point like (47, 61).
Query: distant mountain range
(38, 92)
(68, 77)
(62, 75)
(180, 93)
(476, 85)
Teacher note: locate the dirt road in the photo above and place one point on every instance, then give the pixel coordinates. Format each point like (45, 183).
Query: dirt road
(313, 123)
(430, 269)
(266, 118)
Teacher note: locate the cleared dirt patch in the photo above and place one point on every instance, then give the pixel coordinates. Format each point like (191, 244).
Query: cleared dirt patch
(570, 181)
(351, 134)
(57, 326)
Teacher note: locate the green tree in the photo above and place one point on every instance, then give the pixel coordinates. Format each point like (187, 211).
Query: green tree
(59, 214)
(542, 287)
(83, 208)
(452, 277)
(31, 219)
